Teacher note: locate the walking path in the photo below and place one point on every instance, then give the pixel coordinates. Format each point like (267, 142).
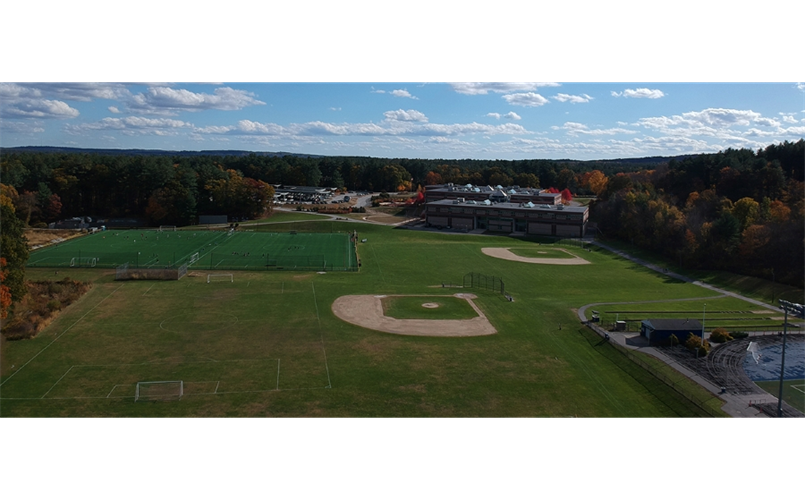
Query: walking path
(735, 405)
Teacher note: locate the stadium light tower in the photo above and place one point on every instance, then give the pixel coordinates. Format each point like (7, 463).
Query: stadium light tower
(786, 307)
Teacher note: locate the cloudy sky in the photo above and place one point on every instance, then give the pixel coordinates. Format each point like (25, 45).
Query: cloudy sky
(421, 120)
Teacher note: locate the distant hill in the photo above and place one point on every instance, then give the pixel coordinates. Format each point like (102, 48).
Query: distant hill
(652, 160)
(147, 152)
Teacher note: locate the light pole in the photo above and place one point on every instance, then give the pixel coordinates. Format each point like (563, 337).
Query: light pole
(704, 312)
(786, 306)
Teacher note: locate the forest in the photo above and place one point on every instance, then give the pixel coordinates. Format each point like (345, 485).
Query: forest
(739, 210)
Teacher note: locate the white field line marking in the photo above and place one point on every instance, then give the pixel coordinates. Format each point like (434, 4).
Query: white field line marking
(248, 283)
(378, 264)
(797, 387)
(216, 387)
(321, 336)
(185, 395)
(57, 382)
(113, 390)
(60, 335)
(149, 289)
(278, 374)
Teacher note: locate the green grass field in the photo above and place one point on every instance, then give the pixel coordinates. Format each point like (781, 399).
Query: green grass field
(411, 307)
(726, 312)
(269, 345)
(793, 391)
(541, 252)
(203, 249)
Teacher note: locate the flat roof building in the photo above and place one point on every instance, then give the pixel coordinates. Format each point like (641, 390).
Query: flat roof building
(658, 331)
(512, 194)
(526, 218)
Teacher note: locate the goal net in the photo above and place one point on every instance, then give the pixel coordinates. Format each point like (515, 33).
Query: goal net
(220, 277)
(194, 257)
(159, 390)
(167, 228)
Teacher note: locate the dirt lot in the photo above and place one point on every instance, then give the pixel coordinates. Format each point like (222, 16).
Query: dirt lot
(43, 237)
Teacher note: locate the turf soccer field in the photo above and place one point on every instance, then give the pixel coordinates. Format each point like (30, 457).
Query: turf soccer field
(269, 344)
(203, 250)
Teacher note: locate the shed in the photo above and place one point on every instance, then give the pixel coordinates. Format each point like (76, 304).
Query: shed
(658, 331)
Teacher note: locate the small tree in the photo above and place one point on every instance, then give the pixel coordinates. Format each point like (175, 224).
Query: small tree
(673, 340)
(694, 343)
(720, 335)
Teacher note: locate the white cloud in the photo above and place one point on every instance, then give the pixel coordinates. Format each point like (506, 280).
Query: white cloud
(250, 127)
(393, 128)
(114, 109)
(131, 125)
(36, 108)
(710, 121)
(640, 93)
(511, 115)
(335, 109)
(15, 127)
(411, 115)
(373, 91)
(529, 99)
(483, 88)
(166, 100)
(788, 118)
(801, 86)
(14, 91)
(402, 93)
(767, 122)
(496, 116)
(77, 91)
(574, 129)
(572, 98)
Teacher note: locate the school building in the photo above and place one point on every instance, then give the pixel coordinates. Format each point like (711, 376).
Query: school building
(507, 217)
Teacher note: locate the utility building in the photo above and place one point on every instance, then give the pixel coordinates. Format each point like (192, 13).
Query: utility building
(658, 331)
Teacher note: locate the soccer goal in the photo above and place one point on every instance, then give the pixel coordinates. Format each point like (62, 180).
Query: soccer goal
(194, 257)
(220, 277)
(167, 228)
(72, 262)
(159, 390)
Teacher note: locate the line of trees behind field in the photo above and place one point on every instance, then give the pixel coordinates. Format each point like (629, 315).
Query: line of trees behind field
(736, 210)
(740, 210)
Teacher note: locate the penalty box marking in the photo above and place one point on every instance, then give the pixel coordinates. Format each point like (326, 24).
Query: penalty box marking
(215, 391)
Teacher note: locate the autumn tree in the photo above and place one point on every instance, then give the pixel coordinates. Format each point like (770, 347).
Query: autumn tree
(594, 181)
(14, 248)
(432, 178)
(746, 210)
(5, 291)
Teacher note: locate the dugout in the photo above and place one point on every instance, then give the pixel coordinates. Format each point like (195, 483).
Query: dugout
(658, 331)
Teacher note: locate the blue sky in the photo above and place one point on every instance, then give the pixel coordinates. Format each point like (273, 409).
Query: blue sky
(415, 120)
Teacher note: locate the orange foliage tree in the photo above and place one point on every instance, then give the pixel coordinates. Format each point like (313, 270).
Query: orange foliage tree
(5, 293)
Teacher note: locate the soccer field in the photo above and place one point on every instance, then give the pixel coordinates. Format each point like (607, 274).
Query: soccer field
(203, 250)
(269, 344)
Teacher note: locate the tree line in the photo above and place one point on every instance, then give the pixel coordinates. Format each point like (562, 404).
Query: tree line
(736, 210)
(739, 210)
(176, 189)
